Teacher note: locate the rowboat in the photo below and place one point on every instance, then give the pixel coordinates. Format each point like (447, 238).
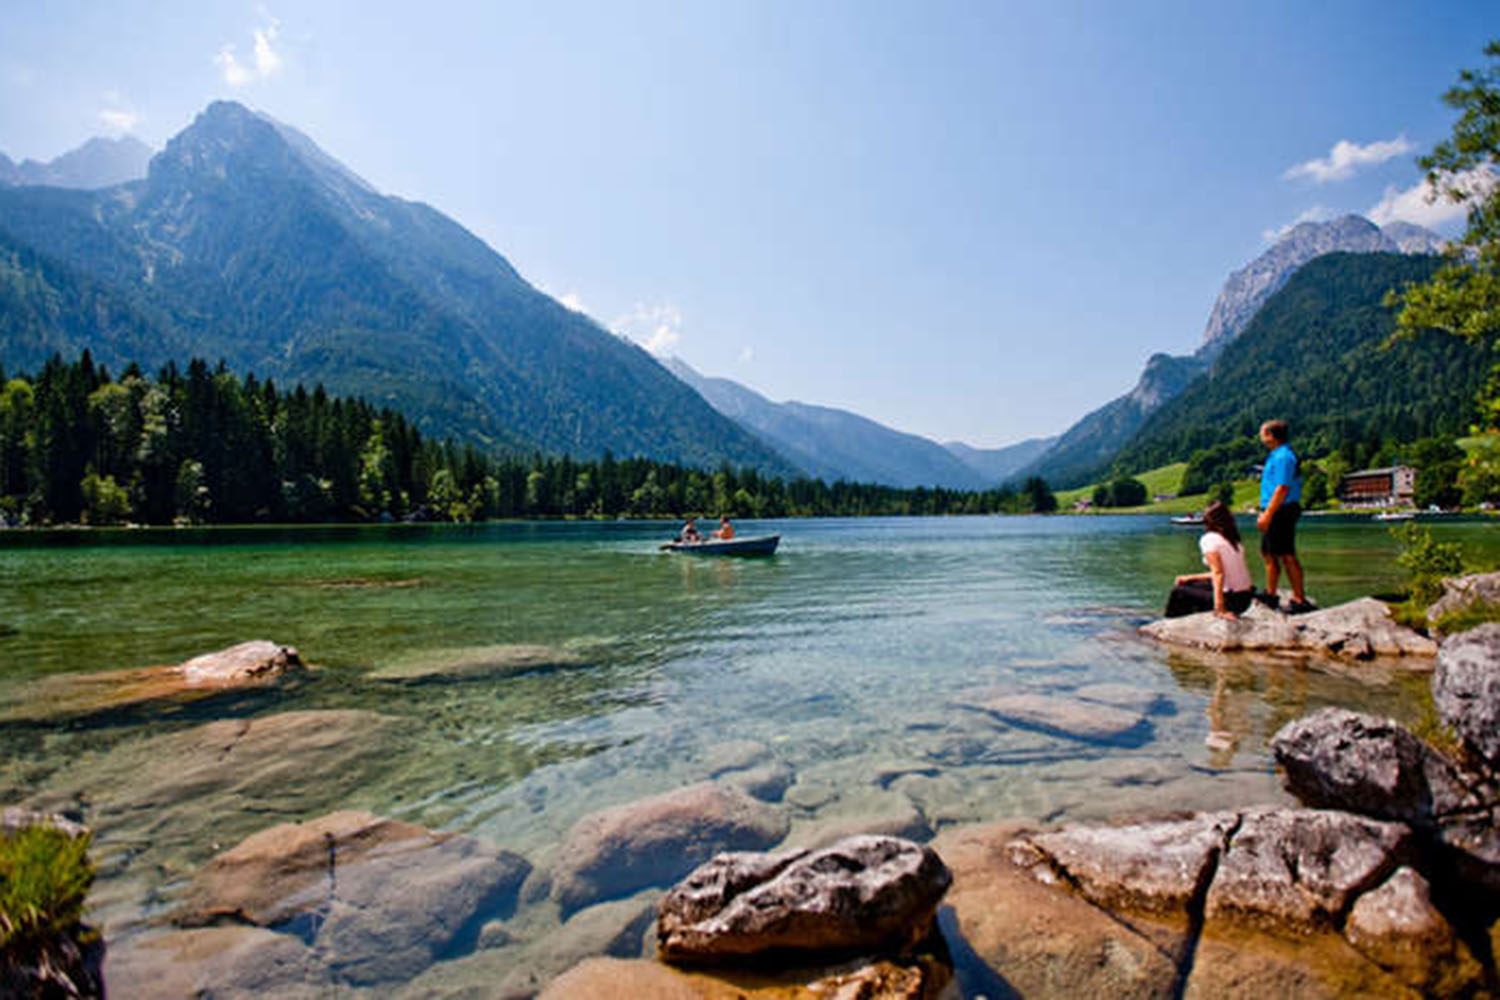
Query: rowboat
(757, 545)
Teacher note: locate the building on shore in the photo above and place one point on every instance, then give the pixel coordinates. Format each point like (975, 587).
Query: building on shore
(1394, 486)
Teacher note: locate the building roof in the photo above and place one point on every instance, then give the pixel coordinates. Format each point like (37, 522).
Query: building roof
(1387, 471)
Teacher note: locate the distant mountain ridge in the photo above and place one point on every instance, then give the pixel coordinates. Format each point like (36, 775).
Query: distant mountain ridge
(247, 242)
(833, 444)
(1084, 451)
(98, 163)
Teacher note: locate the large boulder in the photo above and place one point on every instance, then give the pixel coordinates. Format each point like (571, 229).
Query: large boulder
(1337, 759)
(1303, 867)
(1359, 630)
(379, 898)
(864, 893)
(1156, 866)
(657, 840)
(1466, 689)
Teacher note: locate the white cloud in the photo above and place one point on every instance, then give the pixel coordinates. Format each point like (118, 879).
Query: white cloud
(1346, 157)
(264, 61)
(235, 74)
(1315, 214)
(657, 328)
(572, 300)
(747, 355)
(1418, 204)
(118, 115)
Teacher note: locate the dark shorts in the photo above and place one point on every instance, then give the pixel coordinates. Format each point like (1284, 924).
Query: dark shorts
(1280, 538)
(1198, 595)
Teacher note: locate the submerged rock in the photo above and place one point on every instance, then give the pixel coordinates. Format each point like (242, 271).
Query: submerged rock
(1086, 721)
(1359, 630)
(234, 962)
(477, 663)
(657, 840)
(862, 894)
(377, 898)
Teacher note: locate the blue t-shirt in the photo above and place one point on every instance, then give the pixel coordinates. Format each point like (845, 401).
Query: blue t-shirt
(1280, 470)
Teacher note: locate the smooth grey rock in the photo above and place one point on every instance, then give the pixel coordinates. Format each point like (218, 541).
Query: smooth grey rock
(656, 840)
(236, 664)
(1089, 722)
(1466, 689)
(233, 962)
(862, 893)
(379, 898)
(448, 666)
(1462, 591)
(1302, 867)
(1337, 759)
(735, 755)
(1154, 866)
(1358, 630)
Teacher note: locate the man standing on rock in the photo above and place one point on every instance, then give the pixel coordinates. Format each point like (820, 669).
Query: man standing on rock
(1280, 506)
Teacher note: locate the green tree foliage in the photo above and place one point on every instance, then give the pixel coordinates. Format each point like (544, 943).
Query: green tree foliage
(1426, 562)
(1222, 493)
(1463, 296)
(1120, 492)
(1438, 462)
(205, 446)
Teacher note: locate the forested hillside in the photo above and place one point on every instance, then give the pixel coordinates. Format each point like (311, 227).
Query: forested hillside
(1316, 356)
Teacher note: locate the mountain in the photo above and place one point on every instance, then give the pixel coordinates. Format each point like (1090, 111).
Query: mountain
(1091, 442)
(1246, 289)
(1085, 450)
(248, 243)
(1314, 355)
(834, 444)
(997, 465)
(98, 163)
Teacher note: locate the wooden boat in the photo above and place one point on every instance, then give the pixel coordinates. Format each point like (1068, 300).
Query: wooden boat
(756, 545)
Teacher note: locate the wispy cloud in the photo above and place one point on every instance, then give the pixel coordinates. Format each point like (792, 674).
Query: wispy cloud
(1345, 158)
(572, 300)
(264, 60)
(1315, 214)
(1420, 205)
(747, 355)
(657, 328)
(118, 114)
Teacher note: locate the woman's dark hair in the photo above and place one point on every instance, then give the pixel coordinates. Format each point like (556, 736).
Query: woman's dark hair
(1218, 517)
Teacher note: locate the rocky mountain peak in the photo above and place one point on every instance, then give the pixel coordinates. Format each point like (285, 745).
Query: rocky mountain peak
(1248, 288)
(98, 163)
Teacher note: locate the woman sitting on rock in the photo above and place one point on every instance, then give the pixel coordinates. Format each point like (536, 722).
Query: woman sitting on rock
(1226, 589)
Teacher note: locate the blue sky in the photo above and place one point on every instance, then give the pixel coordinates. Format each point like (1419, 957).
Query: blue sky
(968, 220)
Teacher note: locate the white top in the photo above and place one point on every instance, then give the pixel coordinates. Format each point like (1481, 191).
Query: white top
(1231, 557)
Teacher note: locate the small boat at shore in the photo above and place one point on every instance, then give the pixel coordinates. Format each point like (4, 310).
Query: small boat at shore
(1395, 515)
(756, 545)
(1189, 520)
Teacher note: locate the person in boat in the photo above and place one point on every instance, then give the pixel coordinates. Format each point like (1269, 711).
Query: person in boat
(689, 532)
(726, 530)
(1225, 589)
(1280, 507)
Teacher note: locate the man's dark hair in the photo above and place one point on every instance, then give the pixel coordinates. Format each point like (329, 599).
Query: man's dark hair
(1277, 429)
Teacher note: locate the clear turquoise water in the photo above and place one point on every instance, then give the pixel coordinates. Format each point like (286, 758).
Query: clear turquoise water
(844, 654)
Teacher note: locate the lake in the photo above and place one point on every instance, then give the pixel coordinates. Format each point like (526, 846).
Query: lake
(845, 656)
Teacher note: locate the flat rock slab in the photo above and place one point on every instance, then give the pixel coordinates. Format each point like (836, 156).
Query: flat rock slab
(248, 665)
(657, 840)
(378, 898)
(1359, 630)
(1073, 718)
(865, 893)
(1466, 689)
(923, 978)
(1300, 868)
(1156, 866)
(478, 663)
